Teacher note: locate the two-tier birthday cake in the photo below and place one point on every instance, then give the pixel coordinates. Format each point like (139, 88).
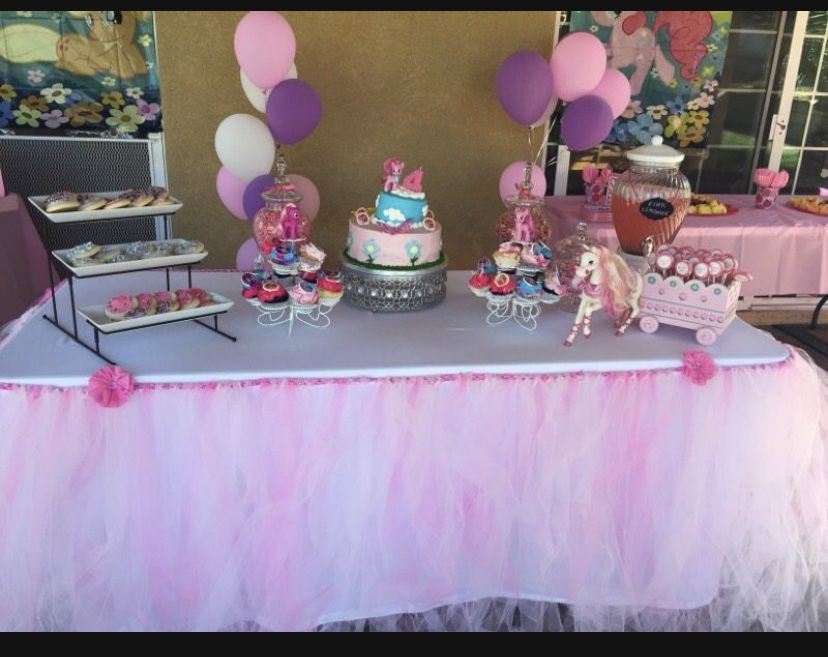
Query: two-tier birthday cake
(393, 259)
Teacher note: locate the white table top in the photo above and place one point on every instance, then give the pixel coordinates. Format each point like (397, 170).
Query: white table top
(451, 338)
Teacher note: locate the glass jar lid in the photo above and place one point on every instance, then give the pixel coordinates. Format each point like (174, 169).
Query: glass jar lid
(655, 154)
(282, 190)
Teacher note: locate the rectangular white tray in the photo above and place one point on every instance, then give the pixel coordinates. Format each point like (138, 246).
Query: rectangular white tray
(131, 265)
(98, 318)
(92, 215)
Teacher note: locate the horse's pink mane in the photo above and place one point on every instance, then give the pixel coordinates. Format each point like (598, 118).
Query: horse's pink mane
(687, 30)
(619, 282)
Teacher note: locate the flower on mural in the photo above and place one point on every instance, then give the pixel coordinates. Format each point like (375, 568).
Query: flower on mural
(618, 134)
(24, 14)
(698, 119)
(7, 92)
(693, 104)
(54, 119)
(113, 98)
(413, 249)
(148, 110)
(672, 83)
(593, 28)
(26, 116)
(35, 102)
(691, 135)
(35, 75)
(644, 128)
(108, 81)
(712, 47)
(145, 40)
(5, 113)
(57, 93)
(698, 366)
(675, 124)
(708, 71)
(657, 111)
(371, 250)
(633, 108)
(127, 120)
(73, 99)
(706, 99)
(675, 106)
(710, 86)
(111, 386)
(83, 113)
(134, 92)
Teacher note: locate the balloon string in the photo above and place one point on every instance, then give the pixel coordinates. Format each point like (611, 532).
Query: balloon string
(531, 146)
(553, 119)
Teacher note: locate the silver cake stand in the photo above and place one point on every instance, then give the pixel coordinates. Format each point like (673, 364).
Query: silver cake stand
(389, 290)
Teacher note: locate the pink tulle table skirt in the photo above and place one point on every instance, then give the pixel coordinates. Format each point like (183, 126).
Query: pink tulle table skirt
(637, 499)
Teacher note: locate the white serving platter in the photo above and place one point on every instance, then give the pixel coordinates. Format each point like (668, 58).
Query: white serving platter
(130, 265)
(92, 215)
(97, 317)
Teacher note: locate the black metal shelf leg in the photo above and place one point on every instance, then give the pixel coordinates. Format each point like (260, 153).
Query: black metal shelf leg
(74, 313)
(815, 316)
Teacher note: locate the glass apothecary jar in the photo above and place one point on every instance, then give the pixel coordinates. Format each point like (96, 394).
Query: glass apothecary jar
(651, 198)
(281, 219)
(517, 206)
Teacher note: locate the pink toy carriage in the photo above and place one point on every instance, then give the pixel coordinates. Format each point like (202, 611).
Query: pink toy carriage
(708, 309)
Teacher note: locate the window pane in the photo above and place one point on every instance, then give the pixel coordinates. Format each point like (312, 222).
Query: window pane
(690, 165)
(823, 75)
(735, 120)
(755, 20)
(748, 60)
(790, 160)
(813, 172)
(818, 128)
(796, 126)
(805, 79)
(726, 171)
(784, 55)
(817, 22)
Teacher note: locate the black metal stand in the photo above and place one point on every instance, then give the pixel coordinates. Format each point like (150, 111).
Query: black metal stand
(803, 333)
(51, 260)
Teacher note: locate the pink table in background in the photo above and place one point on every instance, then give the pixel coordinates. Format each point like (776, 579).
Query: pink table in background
(23, 273)
(786, 250)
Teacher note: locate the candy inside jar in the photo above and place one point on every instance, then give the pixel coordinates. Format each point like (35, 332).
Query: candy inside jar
(281, 218)
(525, 220)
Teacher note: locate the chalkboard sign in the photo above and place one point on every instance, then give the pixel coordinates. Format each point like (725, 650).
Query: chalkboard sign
(656, 209)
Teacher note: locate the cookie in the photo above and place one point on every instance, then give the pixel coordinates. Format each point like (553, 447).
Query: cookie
(108, 254)
(61, 202)
(119, 307)
(83, 251)
(117, 203)
(91, 203)
(142, 199)
(188, 247)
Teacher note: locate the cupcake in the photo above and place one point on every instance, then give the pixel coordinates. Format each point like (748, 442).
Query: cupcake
(502, 286)
(304, 295)
(309, 276)
(330, 288)
(507, 256)
(284, 259)
(479, 283)
(272, 293)
(528, 288)
(486, 266)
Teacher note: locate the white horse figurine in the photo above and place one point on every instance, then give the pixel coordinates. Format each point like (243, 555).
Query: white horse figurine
(605, 281)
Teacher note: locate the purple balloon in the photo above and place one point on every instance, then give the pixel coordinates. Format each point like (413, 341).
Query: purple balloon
(252, 199)
(293, 111)
(586, 122)
(524, 86)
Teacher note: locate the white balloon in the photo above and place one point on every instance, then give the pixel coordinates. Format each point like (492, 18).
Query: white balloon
(245, 146)
(257, 96)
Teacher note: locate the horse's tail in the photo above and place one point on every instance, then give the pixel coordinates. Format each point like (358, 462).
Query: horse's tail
(27, 42)
(636, 295)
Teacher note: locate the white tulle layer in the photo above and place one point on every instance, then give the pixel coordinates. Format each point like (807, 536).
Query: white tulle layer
(639, 500)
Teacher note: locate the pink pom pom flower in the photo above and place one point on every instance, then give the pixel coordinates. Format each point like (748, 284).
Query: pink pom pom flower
(699, 367)
(111, 386)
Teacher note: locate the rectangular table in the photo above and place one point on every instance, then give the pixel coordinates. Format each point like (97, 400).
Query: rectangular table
(784, 249)
(391, 464)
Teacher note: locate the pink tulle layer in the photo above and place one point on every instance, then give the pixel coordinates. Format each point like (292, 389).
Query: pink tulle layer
(641, 502)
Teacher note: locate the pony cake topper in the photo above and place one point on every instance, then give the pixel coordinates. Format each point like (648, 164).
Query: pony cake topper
(605, 282)
(392, 170)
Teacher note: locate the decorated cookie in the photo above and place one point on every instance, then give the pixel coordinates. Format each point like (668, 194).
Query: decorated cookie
(62, 202)
(118, 307)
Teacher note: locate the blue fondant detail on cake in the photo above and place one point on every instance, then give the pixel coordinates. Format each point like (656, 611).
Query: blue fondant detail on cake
(394, 210)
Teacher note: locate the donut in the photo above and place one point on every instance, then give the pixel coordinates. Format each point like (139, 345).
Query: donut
(118, 307)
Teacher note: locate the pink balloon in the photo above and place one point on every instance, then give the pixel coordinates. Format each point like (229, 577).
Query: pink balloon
(246, 255)
(513, 175)
(578, 64)
(614, 88)
(310, 195)
(231, 192)
(265, 47)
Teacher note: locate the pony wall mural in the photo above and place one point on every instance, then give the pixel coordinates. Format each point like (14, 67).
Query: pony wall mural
(79, 71)
(674, 61)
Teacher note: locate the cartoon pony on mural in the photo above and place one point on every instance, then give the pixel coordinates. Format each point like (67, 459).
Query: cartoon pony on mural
(633, 43)
(107, 48)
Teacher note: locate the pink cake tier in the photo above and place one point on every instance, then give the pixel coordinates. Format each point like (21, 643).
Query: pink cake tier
(374, 244)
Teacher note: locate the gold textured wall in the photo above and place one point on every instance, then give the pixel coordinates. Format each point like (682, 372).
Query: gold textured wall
(416, 85)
